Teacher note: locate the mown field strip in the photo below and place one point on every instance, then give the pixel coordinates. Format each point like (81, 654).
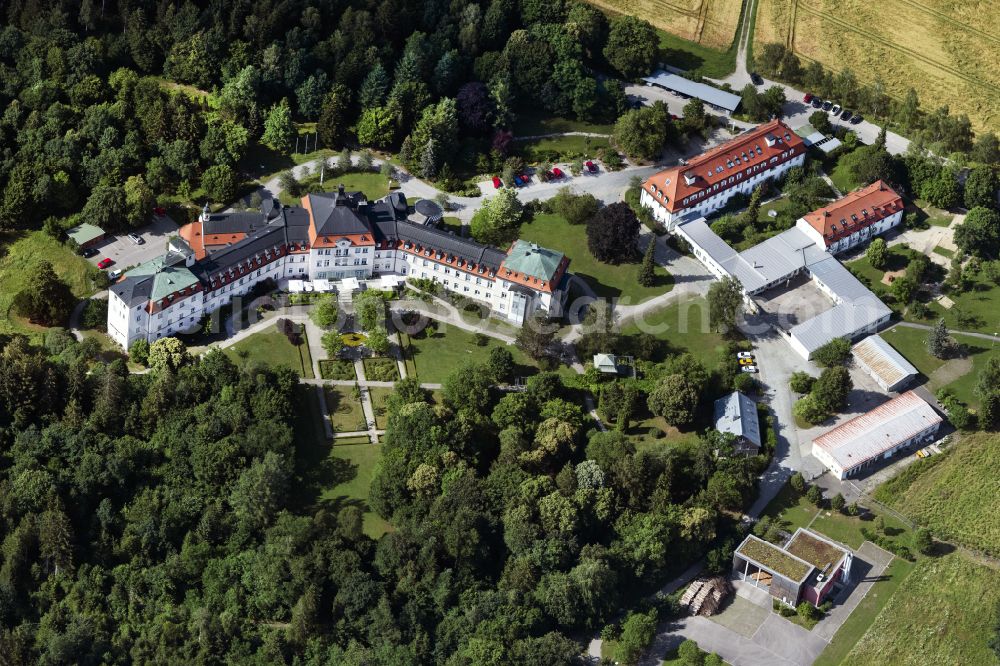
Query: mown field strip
(896, 47)
(948, 19)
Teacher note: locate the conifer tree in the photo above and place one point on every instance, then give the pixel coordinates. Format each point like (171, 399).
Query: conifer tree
(647, 275)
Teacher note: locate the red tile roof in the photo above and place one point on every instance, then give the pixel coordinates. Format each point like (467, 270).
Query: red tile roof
(856, 211)
(731, 159)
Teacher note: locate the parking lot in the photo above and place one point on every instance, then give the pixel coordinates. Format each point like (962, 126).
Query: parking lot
(124, 253)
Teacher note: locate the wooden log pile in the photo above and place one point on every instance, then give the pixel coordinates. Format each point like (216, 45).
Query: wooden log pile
(704, 596)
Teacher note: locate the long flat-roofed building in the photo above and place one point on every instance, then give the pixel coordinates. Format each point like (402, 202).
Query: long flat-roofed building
(890, 370)
(706, 183)
(855, 218)
(851, 447)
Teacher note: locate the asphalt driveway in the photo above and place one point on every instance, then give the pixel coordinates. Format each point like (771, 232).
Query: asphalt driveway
(124, 253)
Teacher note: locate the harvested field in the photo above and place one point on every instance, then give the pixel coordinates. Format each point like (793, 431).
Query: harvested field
(945, 50)
(710, 23)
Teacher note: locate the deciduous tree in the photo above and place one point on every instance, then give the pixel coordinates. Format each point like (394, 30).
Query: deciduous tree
(613, 234)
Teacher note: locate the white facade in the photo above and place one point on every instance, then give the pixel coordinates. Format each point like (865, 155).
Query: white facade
(857, 238)
(708, 202)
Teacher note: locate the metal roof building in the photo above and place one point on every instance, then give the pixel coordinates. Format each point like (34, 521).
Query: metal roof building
(85, 235)
(720, 99)
(887, 367)
(737, 414)
(861, 442)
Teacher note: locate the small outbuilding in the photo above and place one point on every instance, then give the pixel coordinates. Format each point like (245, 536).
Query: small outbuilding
(890, 370)
(736, 414)
(86, 235)
(710, 95)
(605, 363)
(427, 212)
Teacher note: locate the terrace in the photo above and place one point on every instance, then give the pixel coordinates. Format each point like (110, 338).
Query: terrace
(818, 552)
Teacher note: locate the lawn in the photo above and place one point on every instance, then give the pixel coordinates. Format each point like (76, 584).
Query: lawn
(935, 217)
(452, 224)
(607, 280)
(18, 252)
(373, 184)
(944, 612)
(435, 354)
(564, 148)
(973, 309)
(354, 467)
(381, 369)
(653, 434)
(956, 495)
(897, 260)
(842, 176)
(346, 413)
(958, 375)
(533, 124)
(338, 368)
(685, 327)
(271, 347)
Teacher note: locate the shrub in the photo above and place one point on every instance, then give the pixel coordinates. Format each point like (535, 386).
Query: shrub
(807, 611)
(139, 352)
(815, 495)
(290, 330)
(801, 382)
(797, 482)
(837, 502)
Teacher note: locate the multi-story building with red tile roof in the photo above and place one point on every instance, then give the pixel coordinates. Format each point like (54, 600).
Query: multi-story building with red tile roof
(705, 183)
(331, 236)
(856, 218)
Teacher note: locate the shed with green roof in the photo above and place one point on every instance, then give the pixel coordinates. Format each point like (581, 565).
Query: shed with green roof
(86, 235)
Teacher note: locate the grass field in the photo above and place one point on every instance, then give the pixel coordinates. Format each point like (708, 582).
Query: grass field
(568, 147)
(944, 612)
(709, 23)
(373, 184)
(685, 327)
(955, 496)
(20, 251)
(355, 467)
(273, 348)
(958, 375)
(976, 307)
(533, 124)
(945, 50)
(346, 414)
(607, 280)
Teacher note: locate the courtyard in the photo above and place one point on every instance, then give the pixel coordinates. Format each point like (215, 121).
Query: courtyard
(799, 300)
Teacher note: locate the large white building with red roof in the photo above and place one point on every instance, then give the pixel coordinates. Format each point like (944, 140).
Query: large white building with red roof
(706, 183)
(856, 218)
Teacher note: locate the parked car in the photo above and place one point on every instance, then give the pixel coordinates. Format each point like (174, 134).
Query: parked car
(857, 119)
(846, 115)
(756, 78)
(835, 110)
(591, 167)
(747, 361)
(497, 183)
(674, 116)
(816, 102)
(89, 252)
(557, 172)
(744, 355)
(115, 274)
(160, 210)
(827, 104)
(136, 238)
(808, 98)
(517, 181)
(752, 369)
(104, 263)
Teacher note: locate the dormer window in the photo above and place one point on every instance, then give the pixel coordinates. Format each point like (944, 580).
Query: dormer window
(759, 151)
(690, 178)
(864, 211)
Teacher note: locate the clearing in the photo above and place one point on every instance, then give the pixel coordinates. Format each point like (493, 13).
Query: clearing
(373, 184)
(685, 328)
(954, 494)
(607, 280)
(352, 469)
(706, 23)
(944, 612)
(945, 50)
(271, 347)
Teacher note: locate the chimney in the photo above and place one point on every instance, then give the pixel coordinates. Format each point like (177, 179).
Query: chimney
(205, 213)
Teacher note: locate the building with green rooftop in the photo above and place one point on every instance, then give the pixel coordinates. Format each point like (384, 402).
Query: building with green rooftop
(86, 235)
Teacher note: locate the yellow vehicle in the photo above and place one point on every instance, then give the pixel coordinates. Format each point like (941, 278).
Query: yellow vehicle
(747, 361)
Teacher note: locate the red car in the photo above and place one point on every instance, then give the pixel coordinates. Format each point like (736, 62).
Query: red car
(557, 172)
(497, 183)
(808, 98)
(104, 263)
(160, 210)
(591, 167)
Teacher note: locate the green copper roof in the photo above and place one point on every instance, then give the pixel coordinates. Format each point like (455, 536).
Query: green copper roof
(85, 233)
(533, 260)
(167, 278)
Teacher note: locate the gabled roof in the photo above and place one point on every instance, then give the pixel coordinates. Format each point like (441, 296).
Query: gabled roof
(756, 146)
(85, 233)
(884, 361)
(737, 414)
(336, 213)
(703, 91)
(857, 210)
(469, 251)
(153, 280)
(533, 260)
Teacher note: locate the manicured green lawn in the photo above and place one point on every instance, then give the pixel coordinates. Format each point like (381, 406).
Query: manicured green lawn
(944, 612)
(567, 147)
(373, 184)
(346, 413)
(897, 260)
(436, 354)
(685, 327)
(974, 309)
(381, 369)
(529, 124)
(271, 347)
(338, 368)
(935, 217)
(698, 59)
(18, 253)
(452, 224)
(355, 467)
(842, 176)
(959, 375)
(607, 280)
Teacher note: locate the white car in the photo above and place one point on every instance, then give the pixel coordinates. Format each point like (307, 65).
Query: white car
(836, 110)
(115, 274)
(752, 369)
(136, 238)
(744, 355)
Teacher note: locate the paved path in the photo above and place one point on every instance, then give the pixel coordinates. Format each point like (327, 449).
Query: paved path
(366, 383)
(994, 337)
(327, 423)
(74, 317)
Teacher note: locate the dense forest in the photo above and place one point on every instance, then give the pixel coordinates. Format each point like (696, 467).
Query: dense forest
(168, 518)
(109, 104)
